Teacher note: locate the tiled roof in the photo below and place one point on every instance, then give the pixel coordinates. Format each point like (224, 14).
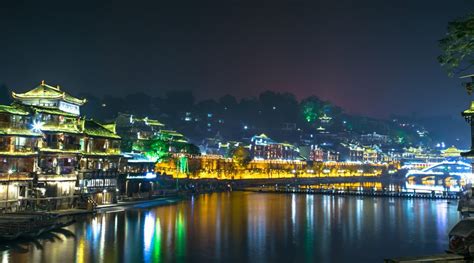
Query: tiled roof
(45, 91)
(95, 129)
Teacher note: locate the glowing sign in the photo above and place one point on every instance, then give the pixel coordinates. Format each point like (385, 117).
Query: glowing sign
(68, 107)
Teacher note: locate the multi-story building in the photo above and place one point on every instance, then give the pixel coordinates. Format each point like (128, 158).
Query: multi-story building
(371, 154)
(18, 154)
(100, 161)
(264, 148)
(49, 150)
(56, 115)
(356, 153)
(322, 154)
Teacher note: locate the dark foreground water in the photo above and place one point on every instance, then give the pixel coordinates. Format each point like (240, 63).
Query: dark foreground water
(256, 227)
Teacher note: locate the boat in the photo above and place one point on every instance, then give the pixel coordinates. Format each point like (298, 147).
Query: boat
(461, 237)
(30, 224)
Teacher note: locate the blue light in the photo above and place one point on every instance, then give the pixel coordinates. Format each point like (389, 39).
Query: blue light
(37, 126)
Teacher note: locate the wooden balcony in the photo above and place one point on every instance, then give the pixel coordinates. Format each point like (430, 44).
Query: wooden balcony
(99, 174)
(57, 177)
(21, 176)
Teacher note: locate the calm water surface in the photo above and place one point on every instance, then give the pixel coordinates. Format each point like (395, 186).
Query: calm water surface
(257, 227)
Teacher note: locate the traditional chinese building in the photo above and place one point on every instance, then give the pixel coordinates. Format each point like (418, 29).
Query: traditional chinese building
(55, 114)
(132, 130)
(18, 154)
(451, 152)
(54, 151)
(100, 162)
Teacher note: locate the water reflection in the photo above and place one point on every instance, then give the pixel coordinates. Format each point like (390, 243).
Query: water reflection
(240, 226)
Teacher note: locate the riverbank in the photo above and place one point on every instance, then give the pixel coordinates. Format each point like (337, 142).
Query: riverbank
(351, 192)
(441, 258)
(33, 224)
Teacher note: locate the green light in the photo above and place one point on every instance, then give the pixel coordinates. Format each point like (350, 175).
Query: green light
(157, 242)
(183, 164)
(180, 237)
(309, 112)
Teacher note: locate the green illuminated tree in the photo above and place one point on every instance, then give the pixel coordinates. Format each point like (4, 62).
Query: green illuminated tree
(311, 108)
(154, 149)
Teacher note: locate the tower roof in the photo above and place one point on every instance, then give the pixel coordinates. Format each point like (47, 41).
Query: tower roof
(45, 91)
(95, 129)
(451, 152)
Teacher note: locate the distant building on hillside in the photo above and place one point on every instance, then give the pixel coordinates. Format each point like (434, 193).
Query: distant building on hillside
(375, 138)
(133, 129)
(264, 148)
(451, 152)
(322, 154)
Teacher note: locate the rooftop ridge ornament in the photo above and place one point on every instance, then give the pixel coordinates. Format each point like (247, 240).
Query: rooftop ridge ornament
(42, 83)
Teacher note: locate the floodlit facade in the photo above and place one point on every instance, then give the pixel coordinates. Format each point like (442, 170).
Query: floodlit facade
(264, 148)
(18, 154)
(49, 150)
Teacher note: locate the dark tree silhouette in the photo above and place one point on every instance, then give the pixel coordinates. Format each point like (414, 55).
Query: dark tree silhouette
(5, 97)
(458, 46)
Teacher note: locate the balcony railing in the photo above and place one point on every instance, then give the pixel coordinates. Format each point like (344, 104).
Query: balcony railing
(99, 174)
(24, 148)
(106, 151)
(62, 146)
(13, 125)
(55, 124)
(62, 170)
(16, 148)
(17, 176)
(72, 146)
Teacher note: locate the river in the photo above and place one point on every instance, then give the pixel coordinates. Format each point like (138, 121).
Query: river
(251, 227)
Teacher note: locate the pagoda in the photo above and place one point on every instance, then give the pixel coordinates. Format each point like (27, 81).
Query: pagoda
(325, 118)
(48, 96)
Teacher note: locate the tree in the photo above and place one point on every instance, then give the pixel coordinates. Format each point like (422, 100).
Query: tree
(179, 100)
(155, 149)
(228, 101)
(186, 148)
(241, 156)
(458, 46)
(311, 109)
(139, 104)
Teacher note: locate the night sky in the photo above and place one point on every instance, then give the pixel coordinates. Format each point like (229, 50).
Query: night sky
(371, 57)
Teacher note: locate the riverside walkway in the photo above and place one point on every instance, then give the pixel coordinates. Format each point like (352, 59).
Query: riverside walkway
(351, 192)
